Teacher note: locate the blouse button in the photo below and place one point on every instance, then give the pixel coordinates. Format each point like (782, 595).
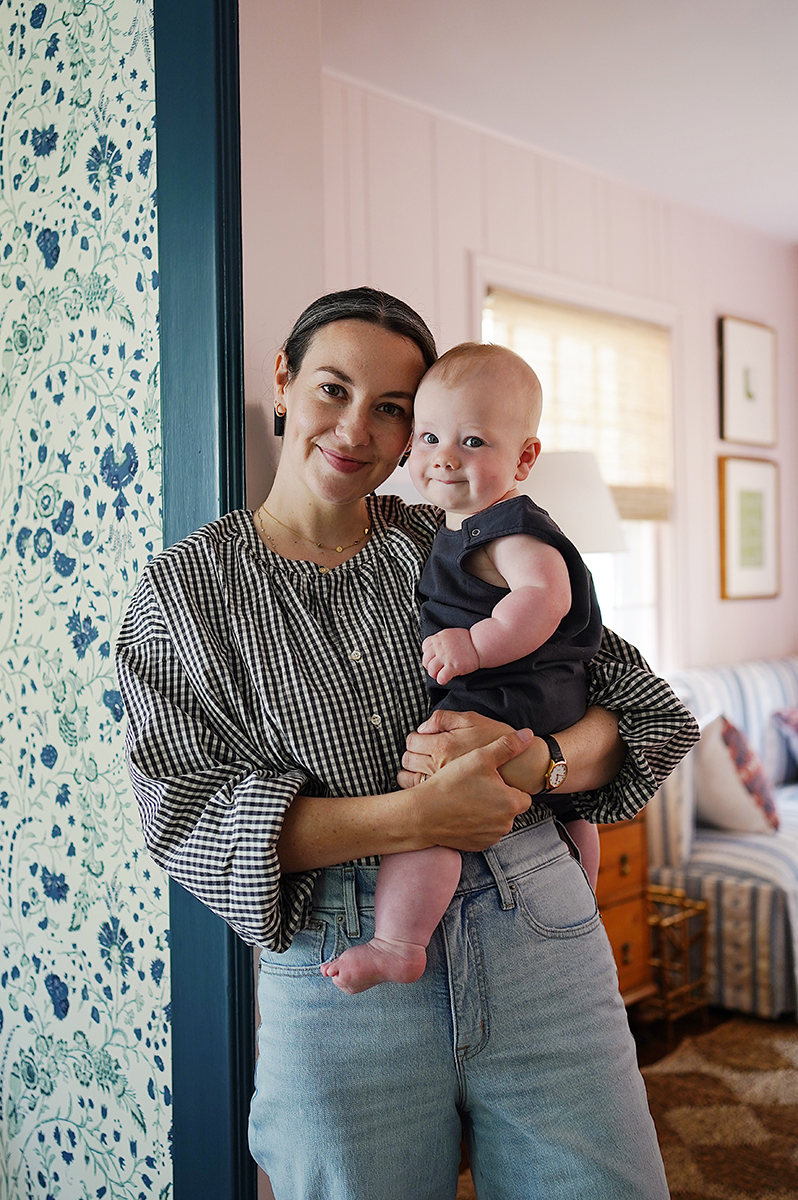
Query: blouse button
(323, 570)
(475, 533)
(355, 656)
(376, 719)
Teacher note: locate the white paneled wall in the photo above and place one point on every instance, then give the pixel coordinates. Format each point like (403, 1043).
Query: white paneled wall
(411, 197)
(410, 194)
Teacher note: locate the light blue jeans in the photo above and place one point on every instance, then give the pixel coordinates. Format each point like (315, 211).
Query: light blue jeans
(515, 1036)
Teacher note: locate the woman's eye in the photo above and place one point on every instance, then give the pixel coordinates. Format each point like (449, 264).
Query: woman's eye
(473, 443)
(429, 438)
(393, 410)
(332, 389)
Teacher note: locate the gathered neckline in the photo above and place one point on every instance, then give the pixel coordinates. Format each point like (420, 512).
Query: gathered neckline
(382, 532)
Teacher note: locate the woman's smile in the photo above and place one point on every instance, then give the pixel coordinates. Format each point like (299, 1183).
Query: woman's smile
(343, 462)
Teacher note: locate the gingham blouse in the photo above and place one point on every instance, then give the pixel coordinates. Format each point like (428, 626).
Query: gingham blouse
(248, 678)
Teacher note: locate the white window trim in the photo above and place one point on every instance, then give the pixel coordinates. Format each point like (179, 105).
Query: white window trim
(487, 273)
(491, 272)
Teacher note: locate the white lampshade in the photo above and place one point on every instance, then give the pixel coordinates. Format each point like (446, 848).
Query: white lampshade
(567, 483)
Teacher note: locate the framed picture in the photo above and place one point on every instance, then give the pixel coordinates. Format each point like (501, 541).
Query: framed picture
(747, 382)
(749, 528)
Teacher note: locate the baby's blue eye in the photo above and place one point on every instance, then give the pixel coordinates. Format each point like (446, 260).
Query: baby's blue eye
(473, 443)
(429, 438)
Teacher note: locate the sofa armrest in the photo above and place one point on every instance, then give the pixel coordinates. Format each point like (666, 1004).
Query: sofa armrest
(670, 823)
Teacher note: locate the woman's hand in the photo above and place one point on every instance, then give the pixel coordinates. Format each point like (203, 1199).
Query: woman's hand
(443, 738)
(593, 748)
(466, 803)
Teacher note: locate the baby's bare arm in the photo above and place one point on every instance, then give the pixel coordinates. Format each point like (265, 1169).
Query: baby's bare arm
(540, 596)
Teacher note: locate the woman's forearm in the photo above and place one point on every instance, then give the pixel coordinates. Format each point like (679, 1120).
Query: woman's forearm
(319, 831)
(593, 750)
(466, 805)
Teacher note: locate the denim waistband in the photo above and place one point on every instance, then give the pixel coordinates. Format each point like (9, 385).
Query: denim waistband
(350, 888)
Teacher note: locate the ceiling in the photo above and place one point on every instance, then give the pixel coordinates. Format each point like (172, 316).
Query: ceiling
(696, 100)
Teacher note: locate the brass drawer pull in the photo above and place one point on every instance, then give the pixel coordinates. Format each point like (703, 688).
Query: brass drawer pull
(625, 865)
(626, 954)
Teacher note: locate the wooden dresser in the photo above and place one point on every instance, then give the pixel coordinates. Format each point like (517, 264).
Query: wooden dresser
(621, 894)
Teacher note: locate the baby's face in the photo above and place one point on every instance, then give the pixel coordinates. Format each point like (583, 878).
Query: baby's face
(470, 444)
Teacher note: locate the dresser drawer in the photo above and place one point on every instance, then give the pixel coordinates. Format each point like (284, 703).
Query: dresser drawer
(622, 871)
(627, 929)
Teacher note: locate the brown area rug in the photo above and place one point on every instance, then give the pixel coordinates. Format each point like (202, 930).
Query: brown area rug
(725, 1105)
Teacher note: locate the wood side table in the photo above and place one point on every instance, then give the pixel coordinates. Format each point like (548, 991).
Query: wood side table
(621, 892)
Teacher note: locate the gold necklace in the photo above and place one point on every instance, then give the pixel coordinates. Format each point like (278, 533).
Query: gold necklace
(301, 536)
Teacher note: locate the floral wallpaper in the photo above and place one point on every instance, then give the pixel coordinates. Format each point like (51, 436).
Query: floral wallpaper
(85, 1101)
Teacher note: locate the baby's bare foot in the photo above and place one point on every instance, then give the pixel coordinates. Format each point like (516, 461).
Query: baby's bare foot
(377, 961)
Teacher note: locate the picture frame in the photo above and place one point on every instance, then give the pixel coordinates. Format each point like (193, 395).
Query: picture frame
(747, 354)
(749, 528)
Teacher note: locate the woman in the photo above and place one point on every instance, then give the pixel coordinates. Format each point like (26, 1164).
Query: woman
(270, 666)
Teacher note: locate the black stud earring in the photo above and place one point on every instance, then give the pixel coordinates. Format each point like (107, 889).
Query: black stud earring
(279, 421)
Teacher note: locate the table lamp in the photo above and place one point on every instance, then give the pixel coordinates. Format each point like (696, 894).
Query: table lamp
(568, 484)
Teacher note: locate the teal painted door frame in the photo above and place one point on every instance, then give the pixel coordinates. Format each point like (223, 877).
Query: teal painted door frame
(199, 246)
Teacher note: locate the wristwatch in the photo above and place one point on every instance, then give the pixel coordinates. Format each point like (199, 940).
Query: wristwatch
(558, 767)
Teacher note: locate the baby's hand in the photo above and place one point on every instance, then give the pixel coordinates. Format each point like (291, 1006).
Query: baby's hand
(449, 653)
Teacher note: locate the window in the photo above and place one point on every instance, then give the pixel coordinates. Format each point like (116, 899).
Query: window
(606, 388)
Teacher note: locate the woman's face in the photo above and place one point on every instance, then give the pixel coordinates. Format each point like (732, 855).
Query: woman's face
(349, 409)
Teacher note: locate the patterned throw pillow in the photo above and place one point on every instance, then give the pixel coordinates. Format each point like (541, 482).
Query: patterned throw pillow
(732, 790)
(786, 722)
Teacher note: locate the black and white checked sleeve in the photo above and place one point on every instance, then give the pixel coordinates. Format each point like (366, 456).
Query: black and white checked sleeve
(211, 807)
(654, 724)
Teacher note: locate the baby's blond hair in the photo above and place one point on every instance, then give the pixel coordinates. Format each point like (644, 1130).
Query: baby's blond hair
(469, 359)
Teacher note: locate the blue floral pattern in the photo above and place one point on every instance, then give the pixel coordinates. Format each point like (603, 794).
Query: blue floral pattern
(85, 1099)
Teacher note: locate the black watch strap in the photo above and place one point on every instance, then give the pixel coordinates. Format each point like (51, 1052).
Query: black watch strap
(558, 767)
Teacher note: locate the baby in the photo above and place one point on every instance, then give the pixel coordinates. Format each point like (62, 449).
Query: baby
(509, 618)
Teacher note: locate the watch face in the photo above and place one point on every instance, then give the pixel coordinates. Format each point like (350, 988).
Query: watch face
(557, 773)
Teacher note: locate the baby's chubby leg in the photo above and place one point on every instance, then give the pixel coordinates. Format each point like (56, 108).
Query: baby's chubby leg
(412, 894)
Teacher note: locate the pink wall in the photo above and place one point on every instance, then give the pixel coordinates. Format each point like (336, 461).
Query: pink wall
(412, 199)
(410, 202)
(281, 199)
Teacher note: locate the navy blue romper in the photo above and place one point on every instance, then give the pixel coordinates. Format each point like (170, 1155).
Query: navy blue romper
(545, 690)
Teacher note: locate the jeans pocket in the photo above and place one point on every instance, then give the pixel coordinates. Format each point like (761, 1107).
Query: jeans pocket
(556, 898)
(306, 953)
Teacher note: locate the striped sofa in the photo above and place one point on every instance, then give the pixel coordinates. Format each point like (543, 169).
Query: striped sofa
(749, 880)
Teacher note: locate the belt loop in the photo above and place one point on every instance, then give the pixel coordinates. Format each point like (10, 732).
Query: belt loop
(350, 903)
(505, 892)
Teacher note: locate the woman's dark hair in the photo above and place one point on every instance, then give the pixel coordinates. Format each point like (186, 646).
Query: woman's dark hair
(358, 304)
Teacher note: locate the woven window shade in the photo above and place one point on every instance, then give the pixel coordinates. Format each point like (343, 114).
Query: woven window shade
(606, 387)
